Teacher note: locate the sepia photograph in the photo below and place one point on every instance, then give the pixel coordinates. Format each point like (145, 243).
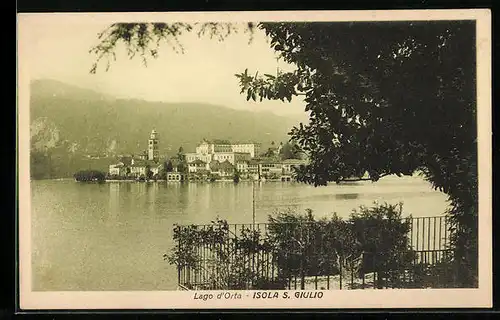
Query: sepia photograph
(255, 159)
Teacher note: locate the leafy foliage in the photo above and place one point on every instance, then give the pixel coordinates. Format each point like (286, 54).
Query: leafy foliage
(90, 176)
(382, 233)
(236, 176)
(168, 166)
(149, 173)
(228, 261)
(144, 39)
(269, 153)
(290, 150)
(181, 161)
(371, 240)
(384, 98)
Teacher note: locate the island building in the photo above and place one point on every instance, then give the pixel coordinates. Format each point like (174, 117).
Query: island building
(135, 166)
(217, 158)
(223, 159)
(153, 152)
(221, 151)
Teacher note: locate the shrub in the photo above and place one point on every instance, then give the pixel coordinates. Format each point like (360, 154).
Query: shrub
(381, 233)
(440, 274)
(236, 177)
(225, 259)
(89, 176)
(371, 240)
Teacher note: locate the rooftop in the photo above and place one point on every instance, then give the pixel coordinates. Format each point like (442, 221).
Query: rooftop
(214, 165)
(143, 163)
(198, 162)
(226, 165)
(126, 160)
(227, 142)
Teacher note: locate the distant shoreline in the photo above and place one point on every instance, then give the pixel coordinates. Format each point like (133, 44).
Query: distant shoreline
(133, 180)
(169, 181)
(198, 181)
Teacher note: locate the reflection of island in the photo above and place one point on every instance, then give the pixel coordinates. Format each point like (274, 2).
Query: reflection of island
(349, 183)
(347, 196)
(150, 198)
(114, 202)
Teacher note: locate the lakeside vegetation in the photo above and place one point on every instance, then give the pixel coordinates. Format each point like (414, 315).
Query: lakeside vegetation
(354, 100)
(90, 176)
(372, 240)
(236, 178)
(57, 164)
(69, 123)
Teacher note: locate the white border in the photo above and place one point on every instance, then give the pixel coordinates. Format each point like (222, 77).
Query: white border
(412, 298)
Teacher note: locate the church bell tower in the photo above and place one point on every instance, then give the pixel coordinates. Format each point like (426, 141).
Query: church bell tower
(153, 152)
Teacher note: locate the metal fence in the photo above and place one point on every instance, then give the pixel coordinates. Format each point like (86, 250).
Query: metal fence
(428, 233)
(310, 256)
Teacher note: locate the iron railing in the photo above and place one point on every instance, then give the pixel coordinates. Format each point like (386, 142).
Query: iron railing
(305, 257)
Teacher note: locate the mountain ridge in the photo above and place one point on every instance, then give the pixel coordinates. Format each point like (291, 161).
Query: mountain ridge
(49, 87)
(74, 122)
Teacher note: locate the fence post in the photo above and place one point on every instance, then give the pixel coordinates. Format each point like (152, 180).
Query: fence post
(304, 242)
(362, 269)
(341, 262)
(179, 263)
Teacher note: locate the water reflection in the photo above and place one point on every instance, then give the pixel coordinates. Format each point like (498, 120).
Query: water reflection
(128, 186)
(151, 190)
(182, 195)
(114, 202)
(113, 236)
(347, 196)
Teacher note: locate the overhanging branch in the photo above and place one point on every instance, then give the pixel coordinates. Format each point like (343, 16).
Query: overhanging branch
(362, 179)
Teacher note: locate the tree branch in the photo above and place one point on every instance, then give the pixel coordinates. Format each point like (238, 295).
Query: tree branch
(362, 179)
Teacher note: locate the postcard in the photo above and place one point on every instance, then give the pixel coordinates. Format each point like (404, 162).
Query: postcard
(281, 159)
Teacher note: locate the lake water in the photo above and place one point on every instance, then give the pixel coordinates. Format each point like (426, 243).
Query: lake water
(113, 236)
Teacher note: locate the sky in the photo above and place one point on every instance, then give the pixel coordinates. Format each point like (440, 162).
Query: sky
(59, 49)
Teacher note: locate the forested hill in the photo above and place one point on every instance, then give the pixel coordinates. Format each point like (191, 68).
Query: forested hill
(68, 123)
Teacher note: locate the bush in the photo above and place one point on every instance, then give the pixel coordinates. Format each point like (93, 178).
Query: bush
(236, 177)
(225, 260)
(439, 275)
(382, 235)
(372, 240)
(162, 174)
(213, 177)
(90, 176)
